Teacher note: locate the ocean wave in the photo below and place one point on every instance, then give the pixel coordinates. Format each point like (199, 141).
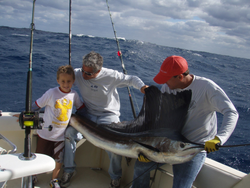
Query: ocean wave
(80, 35)
(21, 35)
(121, 38)
(83, 35)
(196, 54)
(193, 53)
(91, 36)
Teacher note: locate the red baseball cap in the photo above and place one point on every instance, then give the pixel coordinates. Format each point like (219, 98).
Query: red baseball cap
(171, 66)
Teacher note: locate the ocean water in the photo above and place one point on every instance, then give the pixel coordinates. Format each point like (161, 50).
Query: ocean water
(50, 50)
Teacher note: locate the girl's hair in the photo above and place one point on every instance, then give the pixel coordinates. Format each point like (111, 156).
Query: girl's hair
(68, 69)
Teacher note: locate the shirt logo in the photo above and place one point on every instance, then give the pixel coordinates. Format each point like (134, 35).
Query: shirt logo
(94, 87)
(63, 105)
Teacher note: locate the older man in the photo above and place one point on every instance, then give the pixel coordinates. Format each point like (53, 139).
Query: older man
(98, 88)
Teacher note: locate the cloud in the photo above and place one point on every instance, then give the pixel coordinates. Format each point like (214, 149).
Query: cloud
(217, 26)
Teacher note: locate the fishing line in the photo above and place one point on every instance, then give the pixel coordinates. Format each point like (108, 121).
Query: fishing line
(153, 179)
(142, 174)
(119, 53)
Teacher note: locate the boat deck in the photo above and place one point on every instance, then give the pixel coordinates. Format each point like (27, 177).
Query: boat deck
(85, 177)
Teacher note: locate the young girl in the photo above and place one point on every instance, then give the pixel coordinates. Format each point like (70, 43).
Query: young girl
(58, 103)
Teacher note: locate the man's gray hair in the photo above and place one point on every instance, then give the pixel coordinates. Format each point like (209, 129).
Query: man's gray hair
(93, 60)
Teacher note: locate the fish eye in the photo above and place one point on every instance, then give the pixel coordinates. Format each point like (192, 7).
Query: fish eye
(182, 145)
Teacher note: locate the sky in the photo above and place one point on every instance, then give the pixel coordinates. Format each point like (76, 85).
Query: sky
(215, 26)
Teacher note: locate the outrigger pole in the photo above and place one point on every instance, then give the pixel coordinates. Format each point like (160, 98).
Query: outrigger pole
(70, 34)
(119, 53)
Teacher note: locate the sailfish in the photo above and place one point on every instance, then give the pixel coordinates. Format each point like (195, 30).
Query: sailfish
(155, 132)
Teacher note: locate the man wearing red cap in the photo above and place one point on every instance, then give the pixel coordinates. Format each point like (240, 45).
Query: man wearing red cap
(201, 124)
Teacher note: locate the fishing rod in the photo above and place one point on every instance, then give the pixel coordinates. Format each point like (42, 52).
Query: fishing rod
(217, 146)
(28, 119)
(70, 34)
(119, 53)
(29, 78)
(231, 146)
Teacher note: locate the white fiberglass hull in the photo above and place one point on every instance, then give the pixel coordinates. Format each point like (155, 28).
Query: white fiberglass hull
(92, 166)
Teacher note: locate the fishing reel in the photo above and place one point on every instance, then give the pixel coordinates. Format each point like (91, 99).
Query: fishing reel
(30, 119)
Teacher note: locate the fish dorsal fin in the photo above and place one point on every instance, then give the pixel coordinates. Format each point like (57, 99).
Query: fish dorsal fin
(159, 111)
